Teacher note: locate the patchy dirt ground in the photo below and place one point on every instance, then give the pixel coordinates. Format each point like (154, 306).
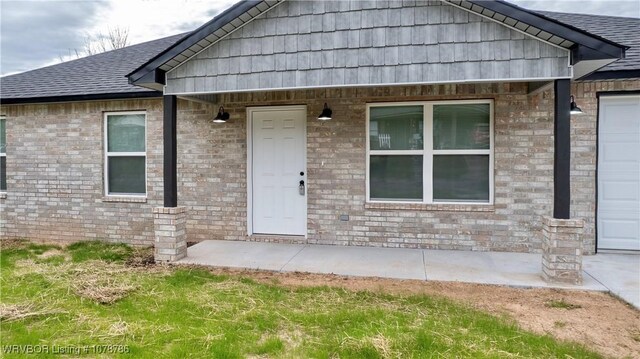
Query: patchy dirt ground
(598, 320)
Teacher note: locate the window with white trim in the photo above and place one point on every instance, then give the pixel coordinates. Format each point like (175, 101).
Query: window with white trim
(430, 152)
(3, 154)
(125, 154)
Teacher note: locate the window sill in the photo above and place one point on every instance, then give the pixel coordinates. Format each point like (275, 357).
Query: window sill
(124, 199)
(3, 195)
(431, 207)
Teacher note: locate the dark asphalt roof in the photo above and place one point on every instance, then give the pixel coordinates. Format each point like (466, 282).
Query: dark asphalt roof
(105, 73)
(623, 30)
(96, 74)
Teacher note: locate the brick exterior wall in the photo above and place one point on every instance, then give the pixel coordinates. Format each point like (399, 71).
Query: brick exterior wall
(55, 162)
(336, 172)
(55, 171)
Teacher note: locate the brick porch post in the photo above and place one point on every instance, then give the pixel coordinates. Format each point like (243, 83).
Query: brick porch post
(561, 236)
(562, 250)
(170, 233)
(170, 221)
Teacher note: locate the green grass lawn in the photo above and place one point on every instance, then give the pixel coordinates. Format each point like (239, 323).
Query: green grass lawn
(89, 294)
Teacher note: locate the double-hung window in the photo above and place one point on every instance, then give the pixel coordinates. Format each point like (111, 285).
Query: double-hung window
(430, 152)
(125, 154)
(3, 154)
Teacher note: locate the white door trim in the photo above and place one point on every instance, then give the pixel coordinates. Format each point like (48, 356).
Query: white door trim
(249, 124)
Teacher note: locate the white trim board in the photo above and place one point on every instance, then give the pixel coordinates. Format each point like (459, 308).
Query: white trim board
(428, 152)
(107, 154)
(471, 81)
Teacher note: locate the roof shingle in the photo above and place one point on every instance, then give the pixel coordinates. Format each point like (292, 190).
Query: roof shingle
(103, 73)
(623, 30)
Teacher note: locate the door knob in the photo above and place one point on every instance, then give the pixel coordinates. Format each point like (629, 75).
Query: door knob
(301, 189)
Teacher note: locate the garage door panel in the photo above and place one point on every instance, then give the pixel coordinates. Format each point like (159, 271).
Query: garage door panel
(609, 174)
(617, 209)
(616, 244)
(619, 173)
(621, 125)
(620, 152)
(620, 191)
(619, 229)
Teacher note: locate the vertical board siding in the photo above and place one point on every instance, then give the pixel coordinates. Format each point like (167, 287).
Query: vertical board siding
(335, 43)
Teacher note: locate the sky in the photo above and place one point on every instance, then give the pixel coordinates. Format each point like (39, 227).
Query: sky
(37, 33)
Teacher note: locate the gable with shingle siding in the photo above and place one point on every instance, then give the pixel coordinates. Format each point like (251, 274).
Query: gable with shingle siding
(348, 43)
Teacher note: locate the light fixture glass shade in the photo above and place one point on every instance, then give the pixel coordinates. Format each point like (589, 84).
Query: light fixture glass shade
(575, 110)
(326, 113)
(222, 116)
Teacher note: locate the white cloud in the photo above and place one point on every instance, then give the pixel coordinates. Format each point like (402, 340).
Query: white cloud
(152, 19)
(41, 33)
(34, 32)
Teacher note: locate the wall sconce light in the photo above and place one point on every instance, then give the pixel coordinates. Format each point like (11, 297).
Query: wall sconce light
(326, 113)
(575, 110)
(222, 116)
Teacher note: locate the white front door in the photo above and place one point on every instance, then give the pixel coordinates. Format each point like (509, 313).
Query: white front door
(619, 173)
(279, 154)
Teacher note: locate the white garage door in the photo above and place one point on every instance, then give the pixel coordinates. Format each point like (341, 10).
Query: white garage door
(619, 173)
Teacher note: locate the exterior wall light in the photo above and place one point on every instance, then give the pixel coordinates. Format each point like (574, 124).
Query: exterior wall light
(221, 117)
(326, 113)
(575, 110)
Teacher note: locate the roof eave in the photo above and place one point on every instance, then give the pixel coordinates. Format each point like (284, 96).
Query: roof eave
(600, 47)
(154, 80)
(612, 75)
(80, 97)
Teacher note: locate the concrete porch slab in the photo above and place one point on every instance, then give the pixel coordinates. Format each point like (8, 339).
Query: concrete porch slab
(359, 261)
(501, 268)
(252, 255)
(620, 273)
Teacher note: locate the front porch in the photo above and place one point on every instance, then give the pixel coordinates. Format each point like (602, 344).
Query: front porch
(449, 129)
(614, 273)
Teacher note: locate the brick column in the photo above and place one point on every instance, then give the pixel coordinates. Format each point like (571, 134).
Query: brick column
(170, 232)
(562, 250)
